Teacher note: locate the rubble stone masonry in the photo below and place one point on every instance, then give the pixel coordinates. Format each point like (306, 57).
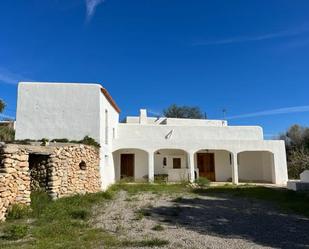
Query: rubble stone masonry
(59, 169)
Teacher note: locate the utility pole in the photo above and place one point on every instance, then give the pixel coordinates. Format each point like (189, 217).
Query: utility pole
(224, 113)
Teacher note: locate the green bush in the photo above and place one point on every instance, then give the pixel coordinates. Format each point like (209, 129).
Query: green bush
(15, 232)
(89, 141)
(7, 134)
(60, 140)
(158, 227)
(81, 214)
(161, 178)
(202, 182)
(18, 211)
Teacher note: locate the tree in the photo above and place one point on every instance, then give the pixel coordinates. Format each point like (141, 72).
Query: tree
(2, 105)
(297, 149)
(174, 111)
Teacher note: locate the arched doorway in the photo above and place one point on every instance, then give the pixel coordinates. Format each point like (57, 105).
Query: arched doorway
(256, 166)
(215, 165)
(131, 164)
(171, 165)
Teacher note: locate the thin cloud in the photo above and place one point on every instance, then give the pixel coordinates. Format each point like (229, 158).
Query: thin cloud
(8, 77)
(284, 110)
(242, 39)
(2, 116)
(91, 6)
(156, 113)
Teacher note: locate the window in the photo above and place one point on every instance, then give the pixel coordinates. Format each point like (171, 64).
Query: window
(106, 127)
(164, 161)
(176, 163)
(114, 133)
(82, 165)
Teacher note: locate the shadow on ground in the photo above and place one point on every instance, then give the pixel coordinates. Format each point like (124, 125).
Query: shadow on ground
(222, 216)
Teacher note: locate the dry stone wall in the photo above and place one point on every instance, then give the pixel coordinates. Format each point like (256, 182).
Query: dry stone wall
(14, 178)
(59, 169)
(67, 177)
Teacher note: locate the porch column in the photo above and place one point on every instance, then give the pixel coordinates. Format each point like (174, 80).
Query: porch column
(235, 169)
(191, 167)
(150, 166)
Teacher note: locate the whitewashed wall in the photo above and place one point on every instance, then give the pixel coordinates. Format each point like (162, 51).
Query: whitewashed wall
(57, 110)
(107, 168)
(189, 133)
(256, 165)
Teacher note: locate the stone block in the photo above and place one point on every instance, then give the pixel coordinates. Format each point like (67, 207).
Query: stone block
(304, 177)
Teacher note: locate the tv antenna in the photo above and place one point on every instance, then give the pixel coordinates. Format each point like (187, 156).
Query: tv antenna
(224, 111)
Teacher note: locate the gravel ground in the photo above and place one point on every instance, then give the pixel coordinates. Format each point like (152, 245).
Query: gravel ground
(219, 221)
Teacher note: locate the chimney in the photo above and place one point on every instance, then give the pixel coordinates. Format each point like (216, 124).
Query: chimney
(143, 116)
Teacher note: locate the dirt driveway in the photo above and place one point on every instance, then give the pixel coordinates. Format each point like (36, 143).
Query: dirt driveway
(200, 221)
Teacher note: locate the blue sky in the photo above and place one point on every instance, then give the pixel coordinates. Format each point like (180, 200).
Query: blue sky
(249, 57)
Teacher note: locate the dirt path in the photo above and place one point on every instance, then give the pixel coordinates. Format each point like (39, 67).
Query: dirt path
(217, 221)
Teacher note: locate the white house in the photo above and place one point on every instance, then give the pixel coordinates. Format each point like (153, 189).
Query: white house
(143, 147)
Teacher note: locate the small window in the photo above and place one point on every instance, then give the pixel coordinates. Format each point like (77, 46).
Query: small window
(164, 161)
(176, 163)
(114, 133)
(106, 126)
(82, 165)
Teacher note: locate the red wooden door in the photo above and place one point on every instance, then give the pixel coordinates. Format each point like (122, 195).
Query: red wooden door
(127, 165)
(206, 165)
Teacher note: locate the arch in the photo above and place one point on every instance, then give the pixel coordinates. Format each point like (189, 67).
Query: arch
(214, 164)
(171, 164)
(131, 163)
(256, 166)
(130, 148)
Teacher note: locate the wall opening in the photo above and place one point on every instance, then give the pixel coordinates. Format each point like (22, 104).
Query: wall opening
(39, 172)
(215, 165)
(256, 166)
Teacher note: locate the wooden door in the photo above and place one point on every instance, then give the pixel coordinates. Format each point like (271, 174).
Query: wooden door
(206, 165)
(127, 165)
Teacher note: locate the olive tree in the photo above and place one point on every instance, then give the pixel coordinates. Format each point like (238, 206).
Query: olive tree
(2, 105)
(175, 111)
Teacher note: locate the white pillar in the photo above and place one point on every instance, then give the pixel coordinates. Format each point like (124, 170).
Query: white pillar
(191, 166)
(235, 169)
(151, 166)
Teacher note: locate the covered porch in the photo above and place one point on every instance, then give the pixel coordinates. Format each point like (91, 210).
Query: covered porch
(175, 165)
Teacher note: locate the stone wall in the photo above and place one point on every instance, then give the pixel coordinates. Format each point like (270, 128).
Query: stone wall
(14, 178)
(59, 169)
(67, 177)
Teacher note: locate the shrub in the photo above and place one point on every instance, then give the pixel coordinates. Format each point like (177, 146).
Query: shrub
(7, 134)
(60, 140)
(89, 141)
(158, 227)
(15, 232)
(79, 214)
(18, 211)
(202, 182)
(23, 141)
(161, 178)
